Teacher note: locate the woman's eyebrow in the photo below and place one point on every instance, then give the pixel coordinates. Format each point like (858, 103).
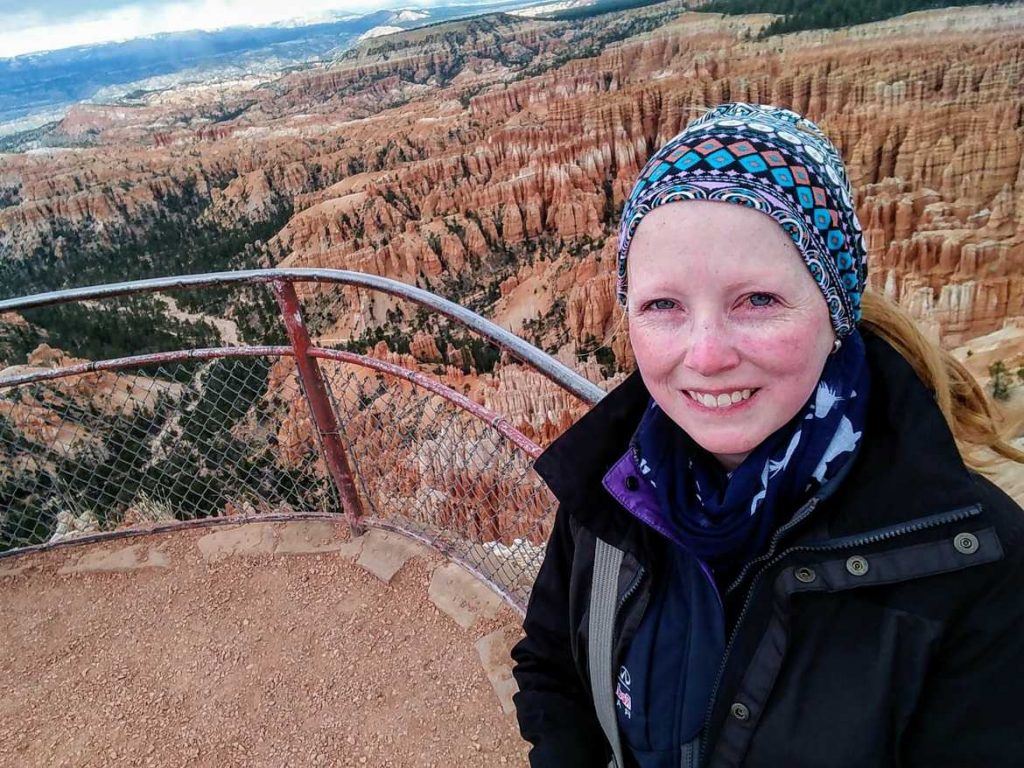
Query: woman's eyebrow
(658, 289)
(758, 284)
(746, 283)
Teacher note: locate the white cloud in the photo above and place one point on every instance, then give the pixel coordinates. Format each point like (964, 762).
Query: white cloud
(26, 32)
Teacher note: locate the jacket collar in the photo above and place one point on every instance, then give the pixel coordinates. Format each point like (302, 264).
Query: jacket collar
(908, 466)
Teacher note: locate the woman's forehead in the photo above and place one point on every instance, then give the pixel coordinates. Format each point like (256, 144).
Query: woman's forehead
(687, 281)
(672, 261)
(701, 270)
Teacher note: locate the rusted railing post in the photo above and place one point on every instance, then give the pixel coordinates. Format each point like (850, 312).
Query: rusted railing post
(315, 390)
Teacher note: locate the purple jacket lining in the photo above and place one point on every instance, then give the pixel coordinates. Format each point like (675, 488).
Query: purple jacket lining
(642, 503)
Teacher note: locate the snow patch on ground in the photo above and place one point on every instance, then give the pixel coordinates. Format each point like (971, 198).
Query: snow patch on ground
(409, 16)
(379, 32)
(564, 5)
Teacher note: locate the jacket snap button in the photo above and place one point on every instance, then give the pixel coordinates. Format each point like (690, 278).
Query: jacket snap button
(857, 565)
(632, 483)
(806, 575)
(739, 711)
(966, 543)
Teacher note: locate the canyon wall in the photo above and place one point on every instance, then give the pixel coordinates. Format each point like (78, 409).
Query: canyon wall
(488, 160)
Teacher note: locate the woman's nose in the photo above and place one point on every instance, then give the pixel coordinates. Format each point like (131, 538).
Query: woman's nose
(710, 351)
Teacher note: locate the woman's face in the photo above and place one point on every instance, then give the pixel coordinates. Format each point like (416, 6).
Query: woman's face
(729, 329)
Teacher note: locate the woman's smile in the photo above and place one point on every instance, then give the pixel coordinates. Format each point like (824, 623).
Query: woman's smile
(721, 401)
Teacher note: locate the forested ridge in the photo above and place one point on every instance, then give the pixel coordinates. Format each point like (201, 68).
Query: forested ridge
(797, 15)
(175, 239)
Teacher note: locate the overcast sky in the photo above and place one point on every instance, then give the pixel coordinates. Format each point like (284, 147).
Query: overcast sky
(43, 25)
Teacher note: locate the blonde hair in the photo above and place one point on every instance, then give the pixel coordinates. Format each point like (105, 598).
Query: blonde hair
(972, 417)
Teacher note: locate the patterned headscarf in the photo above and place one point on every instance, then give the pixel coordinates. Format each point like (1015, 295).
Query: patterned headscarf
(779, 163)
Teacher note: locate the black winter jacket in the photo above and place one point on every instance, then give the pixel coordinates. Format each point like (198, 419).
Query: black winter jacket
(885, 627)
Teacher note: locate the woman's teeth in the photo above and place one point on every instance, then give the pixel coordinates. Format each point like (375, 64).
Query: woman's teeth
(720, 401)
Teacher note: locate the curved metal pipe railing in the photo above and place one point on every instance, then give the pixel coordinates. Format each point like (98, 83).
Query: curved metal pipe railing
(516, 439)
(324, 412)
(560, 374)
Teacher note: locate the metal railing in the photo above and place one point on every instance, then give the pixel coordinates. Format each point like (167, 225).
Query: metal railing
(232, 434)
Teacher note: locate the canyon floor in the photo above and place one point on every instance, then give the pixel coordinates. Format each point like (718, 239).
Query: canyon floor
(257, 645)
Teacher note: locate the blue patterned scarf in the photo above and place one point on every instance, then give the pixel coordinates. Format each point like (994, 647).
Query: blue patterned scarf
(727, 518)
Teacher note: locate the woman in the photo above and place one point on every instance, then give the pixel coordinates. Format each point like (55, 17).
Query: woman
(769, 550)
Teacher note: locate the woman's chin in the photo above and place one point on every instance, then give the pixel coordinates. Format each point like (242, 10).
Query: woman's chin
(717, 435)
(724, 439)
(728, 451)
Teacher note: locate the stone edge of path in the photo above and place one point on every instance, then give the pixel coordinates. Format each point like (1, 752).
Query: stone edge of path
(452, 589)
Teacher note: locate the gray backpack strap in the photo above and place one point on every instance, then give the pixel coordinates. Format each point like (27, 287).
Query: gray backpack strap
(690, 753)
(603, 596)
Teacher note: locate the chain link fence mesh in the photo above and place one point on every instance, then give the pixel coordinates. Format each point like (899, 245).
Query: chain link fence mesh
(110, 451)
(100, 452)
(431, 468)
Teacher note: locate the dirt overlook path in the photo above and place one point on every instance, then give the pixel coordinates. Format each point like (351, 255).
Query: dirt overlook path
(257, 645)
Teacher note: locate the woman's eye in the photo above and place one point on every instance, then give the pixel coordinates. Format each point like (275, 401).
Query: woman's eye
(761, 299)
(662, 304)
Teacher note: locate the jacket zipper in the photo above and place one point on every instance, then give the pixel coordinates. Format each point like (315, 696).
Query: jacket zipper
(801, 514)
(690, 752)
(640, 572)
(630, 590)
(798, 518)
(874, 537)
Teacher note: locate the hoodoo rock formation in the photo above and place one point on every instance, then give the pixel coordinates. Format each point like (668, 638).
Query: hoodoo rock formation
(489, 159)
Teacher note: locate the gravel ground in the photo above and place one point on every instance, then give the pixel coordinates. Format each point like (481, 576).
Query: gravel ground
(300, 660)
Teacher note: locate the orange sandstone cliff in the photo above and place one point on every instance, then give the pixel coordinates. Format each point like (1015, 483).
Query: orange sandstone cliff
(488, 160)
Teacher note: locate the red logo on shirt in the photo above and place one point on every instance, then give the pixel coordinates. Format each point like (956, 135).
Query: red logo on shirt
(622, 693)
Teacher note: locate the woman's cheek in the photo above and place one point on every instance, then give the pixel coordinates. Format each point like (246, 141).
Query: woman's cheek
(648, 356)
(785, 349)
(646, 339)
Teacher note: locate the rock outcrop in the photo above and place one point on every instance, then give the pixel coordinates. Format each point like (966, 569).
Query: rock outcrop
(493, 169)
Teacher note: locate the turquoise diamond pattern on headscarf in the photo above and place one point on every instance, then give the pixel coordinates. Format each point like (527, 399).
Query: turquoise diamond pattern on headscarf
(778, 162)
